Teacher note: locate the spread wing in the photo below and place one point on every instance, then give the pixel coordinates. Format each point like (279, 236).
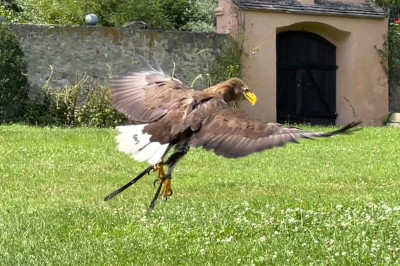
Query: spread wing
(146, 96)
(231, 133)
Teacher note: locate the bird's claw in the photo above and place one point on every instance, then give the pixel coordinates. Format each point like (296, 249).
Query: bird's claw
(166, 190)
(164, 182)
(166, 195)
(159, 168)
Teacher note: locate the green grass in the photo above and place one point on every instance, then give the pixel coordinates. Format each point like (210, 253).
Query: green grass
(330, 201)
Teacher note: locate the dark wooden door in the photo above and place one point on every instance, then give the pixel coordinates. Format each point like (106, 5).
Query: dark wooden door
(306, 78)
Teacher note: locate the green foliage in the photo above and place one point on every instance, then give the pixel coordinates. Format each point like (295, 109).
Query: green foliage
(13, 80)
(227, 65)
(40, 110)
(151, 12)
(10, 5)
(390, 56)
(166, 14)
(66, 100)
(202, 17)
(7, 12)
(67, 12)
(387, 4)
(74, 106)
(104, 9)
(98, 110)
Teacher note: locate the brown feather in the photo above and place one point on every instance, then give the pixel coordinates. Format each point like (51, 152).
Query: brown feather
(233, 134)
(203, 118)
(146, 96)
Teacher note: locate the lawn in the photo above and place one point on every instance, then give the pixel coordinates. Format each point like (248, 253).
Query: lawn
(330, 201)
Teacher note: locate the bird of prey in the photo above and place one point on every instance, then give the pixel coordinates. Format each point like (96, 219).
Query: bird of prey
(165, 114)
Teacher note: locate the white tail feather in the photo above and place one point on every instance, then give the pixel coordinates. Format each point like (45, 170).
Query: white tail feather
(132, 141)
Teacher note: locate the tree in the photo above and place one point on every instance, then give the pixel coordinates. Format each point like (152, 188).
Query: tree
(189, 15)
(13, 80)
(202, 17)
(167, 14)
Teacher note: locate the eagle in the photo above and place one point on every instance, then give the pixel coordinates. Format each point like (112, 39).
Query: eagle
(164, 113)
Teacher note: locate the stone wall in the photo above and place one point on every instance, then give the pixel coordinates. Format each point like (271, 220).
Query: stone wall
(99, 51)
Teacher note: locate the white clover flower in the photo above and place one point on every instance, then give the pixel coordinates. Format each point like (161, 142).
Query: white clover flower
(229, 239)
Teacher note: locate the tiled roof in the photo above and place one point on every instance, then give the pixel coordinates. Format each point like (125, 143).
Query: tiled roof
(320, 7)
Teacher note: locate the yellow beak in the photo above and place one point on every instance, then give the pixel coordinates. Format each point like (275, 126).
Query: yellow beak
(251, 97)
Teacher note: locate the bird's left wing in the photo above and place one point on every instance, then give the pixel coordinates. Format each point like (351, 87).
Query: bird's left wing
(146, 96)
(232, 133)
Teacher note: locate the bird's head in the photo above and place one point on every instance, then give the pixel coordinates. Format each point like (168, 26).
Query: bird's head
(236, 89)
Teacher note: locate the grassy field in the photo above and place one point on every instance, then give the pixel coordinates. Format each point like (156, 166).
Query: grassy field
(331, 201)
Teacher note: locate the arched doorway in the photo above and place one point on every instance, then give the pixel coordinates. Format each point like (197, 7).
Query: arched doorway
(306, 78)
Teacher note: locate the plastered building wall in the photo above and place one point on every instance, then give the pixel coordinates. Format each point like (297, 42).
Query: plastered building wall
(362, 88)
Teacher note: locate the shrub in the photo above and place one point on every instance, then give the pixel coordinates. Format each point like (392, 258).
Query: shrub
(13, 81)
(77, 105)
(390, 55)
(225, 66)
(98, 111)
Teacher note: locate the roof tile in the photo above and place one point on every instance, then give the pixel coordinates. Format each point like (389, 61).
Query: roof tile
(321, 7)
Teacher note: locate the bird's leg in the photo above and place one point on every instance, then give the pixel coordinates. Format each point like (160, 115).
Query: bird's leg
(164, 181)
(159, 165)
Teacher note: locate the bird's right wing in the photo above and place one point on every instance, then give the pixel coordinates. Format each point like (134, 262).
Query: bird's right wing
(232, 133)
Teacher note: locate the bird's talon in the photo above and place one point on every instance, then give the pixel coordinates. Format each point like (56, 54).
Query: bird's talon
(166, 190)
(154, 182)
(160, 168)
